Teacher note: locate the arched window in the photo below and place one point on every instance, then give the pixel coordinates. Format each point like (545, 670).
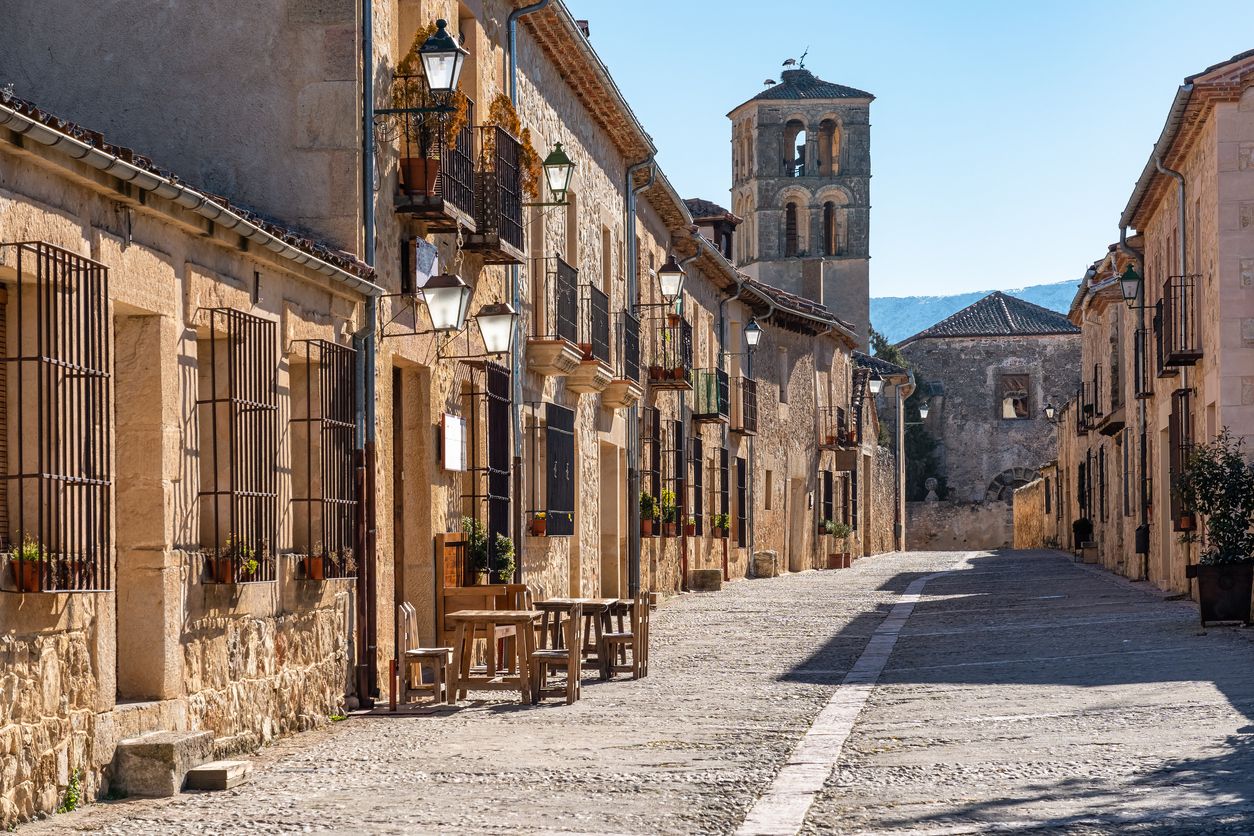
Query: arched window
(831, 230)
(790, 229)
(829, 148)
(794, 150)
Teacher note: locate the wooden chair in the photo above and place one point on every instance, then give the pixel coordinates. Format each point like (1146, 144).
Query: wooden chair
(414, 659)
(633, 637)
(568, 656)
(518, 596)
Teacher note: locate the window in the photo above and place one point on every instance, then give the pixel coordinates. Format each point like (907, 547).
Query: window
(56, 408)
(790, 229)
(769, 499)
(572, 228)
(831, 237)
(651, 452)
(698, 485)
(322, 435)
(829, 148)
(1180, 436)
(742, 502)
(1101, 482)
(724, 482)
(829, 498)
(559, 444)
(677, 469)
(1048, 489)
(794, 150)
(1125, 446)
(238, 420)
(607, 261)
(499, 453)
(1014, 396)
(853, 499)
(783, 374)
(1116, 359)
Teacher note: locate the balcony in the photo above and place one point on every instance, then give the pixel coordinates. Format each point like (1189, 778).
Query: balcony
(712, 396)
(1182, 342)
(594, 372)
(625, 389)
(553, 348)
(1085, 408)
(1141, 347)
(498, 230)
(744, 420)
(671, 364)
(436, 170)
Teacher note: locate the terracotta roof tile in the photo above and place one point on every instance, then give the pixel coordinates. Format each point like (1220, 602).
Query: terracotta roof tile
(803, 84)
(999, 315)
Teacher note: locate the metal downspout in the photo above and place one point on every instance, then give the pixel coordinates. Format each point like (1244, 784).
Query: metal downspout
(515, 294)
(633, 414)
(1143, 529)
(904, 391)
(685, 417)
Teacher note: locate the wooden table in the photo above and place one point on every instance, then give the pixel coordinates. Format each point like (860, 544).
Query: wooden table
(596, 612)
(470, 622)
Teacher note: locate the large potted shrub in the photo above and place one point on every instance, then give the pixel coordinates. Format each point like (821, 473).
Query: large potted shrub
(505, 562)
(476, 549)
(1217, 483)
(670, 514)
(424, 136)
(25, 562)
(648, 510)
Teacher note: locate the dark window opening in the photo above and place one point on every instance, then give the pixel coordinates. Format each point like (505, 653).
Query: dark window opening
(742, 502)
(790, 229)
(559, 443)
(1013, 396)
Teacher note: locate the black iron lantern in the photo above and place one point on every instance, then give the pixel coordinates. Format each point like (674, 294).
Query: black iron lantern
(442, 59)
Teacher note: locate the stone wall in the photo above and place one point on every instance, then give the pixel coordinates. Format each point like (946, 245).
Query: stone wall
(883, 503)
(1029, 516)
(958, 526)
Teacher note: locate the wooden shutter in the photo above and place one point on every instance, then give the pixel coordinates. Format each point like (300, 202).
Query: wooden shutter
(742, 502)
(559, 442)
(698, 485)
(498, 431)
(829, 498)
(724, 483)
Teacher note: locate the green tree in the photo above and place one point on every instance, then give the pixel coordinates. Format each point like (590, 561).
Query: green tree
(920, 445)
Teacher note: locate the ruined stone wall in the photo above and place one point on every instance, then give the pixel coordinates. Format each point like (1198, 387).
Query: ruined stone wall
(882, 503)
(1029, 516)
(958, 526)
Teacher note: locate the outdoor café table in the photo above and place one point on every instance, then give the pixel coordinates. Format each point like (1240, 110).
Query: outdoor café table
(596, 612)
(471, 622)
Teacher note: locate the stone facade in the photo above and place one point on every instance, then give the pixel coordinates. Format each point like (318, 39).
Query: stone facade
(959, 526)
(1031, 516)
(1192, 375)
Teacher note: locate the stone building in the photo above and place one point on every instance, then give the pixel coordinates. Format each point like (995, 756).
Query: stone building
(277, 392)
(1177, 367)
(987, 373)
(801, 179)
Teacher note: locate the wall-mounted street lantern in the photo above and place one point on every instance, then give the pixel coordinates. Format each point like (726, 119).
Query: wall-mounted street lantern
(448, 301)
(923, 411)
(1130, 285)
(1049, 412)
(876, 384)
(670, 279)
(753, 334)
(442, 59)
(496, 326)
(558, 172)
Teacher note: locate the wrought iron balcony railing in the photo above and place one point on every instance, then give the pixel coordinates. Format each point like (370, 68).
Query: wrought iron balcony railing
(670, 364)
(594, 325)
(745, 414)
(436, 167)
(1182, 342)
(835, 429)
(712, 391)
(498, 234)
(629, 347)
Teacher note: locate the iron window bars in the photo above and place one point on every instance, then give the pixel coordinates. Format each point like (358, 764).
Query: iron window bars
(594, 325)
(59, 355)
(1144, 388)
(561, 303)
(435, 169)
(828, 511)
(1181, 340)
(853, 499)
(673, 456)
(487, 432)
(239, 408)
(834, 428)
(724, 485)
(1180, 436)
(651, 466)
(324, 427)
(746, 421)
(712, 391)
(629, 347)
(1161, 341)
(498, 206)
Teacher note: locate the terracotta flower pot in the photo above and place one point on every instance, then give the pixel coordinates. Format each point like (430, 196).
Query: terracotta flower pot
(315, 568)
(720, 532)
(26, 575)
(224, 570)
(833, 561)
(655, 372)
(483, 578)
(690, 530)
(646, 527)
(539, 527)
(677, 373)
(419, 175)
(670, 529)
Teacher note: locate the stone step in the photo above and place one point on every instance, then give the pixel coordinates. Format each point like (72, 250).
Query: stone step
(153, 765)
(219, 775)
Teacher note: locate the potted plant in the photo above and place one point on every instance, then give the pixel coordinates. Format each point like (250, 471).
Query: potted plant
(314, 564)
(504, 559)
(424, 136)
(827, 527)
(538, 525)
(670, 514)
(1218, 483)
(476, 549)
(648, 511)
(690, 527)
(720, 523)
(25, 561)
(656, 373)
(502, 114)
(841, 532)
(236, 559)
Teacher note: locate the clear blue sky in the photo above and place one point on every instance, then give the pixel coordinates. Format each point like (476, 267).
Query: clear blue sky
(1005, 138)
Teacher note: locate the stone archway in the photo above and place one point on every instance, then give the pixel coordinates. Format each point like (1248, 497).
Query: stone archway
(1002, 488)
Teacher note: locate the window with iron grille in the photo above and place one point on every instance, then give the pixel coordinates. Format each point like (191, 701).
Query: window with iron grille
(1180, 435)
(1048, 489)
(238, 419)
(498, 432)
(724, 482)
(1181, 341)
(698, 486)
(56, 391)
(651, 452)
(1101, 482)
(829, 497)
(498, 208)
(559, 445)
(853, 499)
(742, 502)
(324, 464)
(1082, 497)
(1125, 446)
(1116, 366)
(629, 357)
(560, 318)
(844, 498)
(1142, 363)
(1013, 396)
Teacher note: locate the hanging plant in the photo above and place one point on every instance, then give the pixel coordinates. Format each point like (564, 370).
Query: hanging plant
(530, 167)
(410, 90)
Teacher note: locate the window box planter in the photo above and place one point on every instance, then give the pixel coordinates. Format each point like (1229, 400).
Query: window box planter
(1223, 590)
(26, 575)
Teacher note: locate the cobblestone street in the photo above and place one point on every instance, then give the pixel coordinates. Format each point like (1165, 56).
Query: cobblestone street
(1023, 693)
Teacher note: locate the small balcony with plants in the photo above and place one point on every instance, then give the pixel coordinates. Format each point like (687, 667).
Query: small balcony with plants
(553, 348)
(670, 361)
(711, 396)
(835, 430)
(624, 390)
(435, 160)
(594, 372)
(507, 172)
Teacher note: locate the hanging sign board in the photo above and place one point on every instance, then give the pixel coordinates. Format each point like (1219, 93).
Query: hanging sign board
(453, 443)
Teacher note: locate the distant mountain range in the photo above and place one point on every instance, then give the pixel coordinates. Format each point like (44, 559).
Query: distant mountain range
(898, 317)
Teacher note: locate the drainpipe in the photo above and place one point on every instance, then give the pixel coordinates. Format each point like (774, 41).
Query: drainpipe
(364, 341)
(515, 293)
(685, 411)
(1142, 530)
(630, 193)
(904, 391)
(1183, 262)
(818, 453)
(753, 467)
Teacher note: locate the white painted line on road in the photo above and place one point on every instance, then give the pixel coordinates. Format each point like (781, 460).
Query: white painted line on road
(781, 811)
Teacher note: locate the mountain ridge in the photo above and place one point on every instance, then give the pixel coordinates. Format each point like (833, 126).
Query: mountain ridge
(899, 317)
